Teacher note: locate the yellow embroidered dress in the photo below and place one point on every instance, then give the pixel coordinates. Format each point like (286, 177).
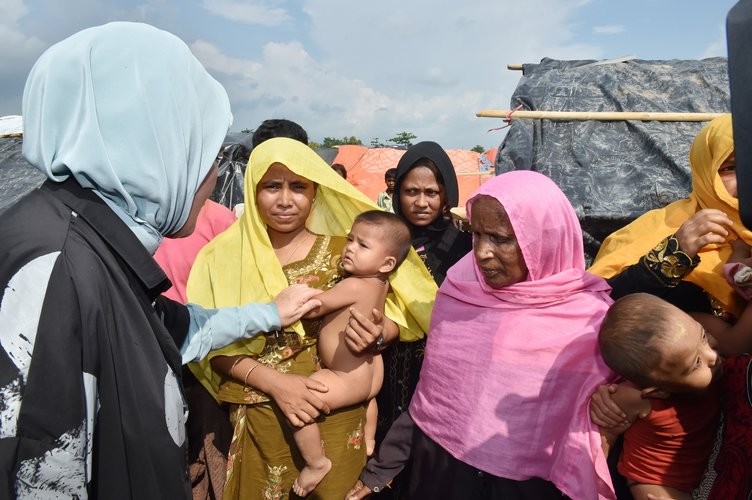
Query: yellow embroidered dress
(240, 266)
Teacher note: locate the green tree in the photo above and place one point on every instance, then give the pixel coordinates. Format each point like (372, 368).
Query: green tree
(246, 131)
(376, 143)
(479, 149)
(403, 139)
(330, 142)
(314, 145)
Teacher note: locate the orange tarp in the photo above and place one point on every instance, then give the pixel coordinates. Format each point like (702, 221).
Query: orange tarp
(366, 166)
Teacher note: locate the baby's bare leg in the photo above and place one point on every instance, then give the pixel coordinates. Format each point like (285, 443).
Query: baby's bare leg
(345, 389)
(369, 430)
(308, 441)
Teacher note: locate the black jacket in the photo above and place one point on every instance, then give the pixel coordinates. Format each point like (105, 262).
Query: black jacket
(90, 395)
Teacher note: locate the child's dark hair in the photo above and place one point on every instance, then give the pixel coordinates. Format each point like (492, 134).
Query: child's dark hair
(391, 173)
(398, 232)
(340, 169)
(633, 328)
(278, 127)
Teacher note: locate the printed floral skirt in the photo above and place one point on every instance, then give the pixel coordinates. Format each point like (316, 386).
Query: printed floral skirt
(264, 461)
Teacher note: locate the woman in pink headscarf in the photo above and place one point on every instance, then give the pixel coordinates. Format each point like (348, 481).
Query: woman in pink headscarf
(502, 404)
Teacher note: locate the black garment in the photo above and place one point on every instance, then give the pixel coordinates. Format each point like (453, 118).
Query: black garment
(440, 245)
(438, 475)
(650, 275)
(89, 373)
(435, 153)
(392, 458)
(739, 41)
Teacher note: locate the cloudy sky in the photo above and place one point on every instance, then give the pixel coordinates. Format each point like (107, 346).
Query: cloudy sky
(373, 69)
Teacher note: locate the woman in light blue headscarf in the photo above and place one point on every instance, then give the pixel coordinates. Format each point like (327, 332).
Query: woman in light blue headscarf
(126, 124)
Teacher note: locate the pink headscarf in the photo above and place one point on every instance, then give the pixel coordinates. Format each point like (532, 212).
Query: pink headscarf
(508, 373)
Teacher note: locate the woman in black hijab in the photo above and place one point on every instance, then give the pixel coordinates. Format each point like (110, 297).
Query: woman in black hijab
(425, 189)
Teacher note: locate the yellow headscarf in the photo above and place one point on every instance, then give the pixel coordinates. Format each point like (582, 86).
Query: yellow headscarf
(239, 265)
(712, 146)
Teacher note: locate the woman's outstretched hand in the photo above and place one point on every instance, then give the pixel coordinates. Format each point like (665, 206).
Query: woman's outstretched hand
(296, 301)
(707, 226)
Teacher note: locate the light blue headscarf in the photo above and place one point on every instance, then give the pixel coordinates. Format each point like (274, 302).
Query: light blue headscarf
(129, 112)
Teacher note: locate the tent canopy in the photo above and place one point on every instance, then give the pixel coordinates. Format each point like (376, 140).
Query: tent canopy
(612, 171)
(365, 168)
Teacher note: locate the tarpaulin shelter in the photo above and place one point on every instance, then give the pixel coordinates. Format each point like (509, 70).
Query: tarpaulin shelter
(17, 177)
(612, 171)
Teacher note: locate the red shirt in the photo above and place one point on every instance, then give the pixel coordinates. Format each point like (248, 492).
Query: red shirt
(671, 446)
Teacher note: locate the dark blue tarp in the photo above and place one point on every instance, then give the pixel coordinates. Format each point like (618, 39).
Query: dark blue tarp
(612, 171)
(17, 177)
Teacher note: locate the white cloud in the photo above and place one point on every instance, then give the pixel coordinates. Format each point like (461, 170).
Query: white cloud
(214, 60)
(610, 29)
(369, 70)
(255, 12)
(17, 47)
(19, 51)
(436, 71)
(718, 47)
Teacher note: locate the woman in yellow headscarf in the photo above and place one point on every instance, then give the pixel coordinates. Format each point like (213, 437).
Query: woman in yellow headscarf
(678, 251)
(297, 211)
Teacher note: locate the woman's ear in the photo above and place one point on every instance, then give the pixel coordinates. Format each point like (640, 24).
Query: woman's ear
(388, 265)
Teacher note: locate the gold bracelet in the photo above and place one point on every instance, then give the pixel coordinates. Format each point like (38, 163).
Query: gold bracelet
(234, 364)
(245, 379)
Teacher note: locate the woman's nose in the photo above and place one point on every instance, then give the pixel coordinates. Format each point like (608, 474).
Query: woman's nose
(481, 248)
(285, 197)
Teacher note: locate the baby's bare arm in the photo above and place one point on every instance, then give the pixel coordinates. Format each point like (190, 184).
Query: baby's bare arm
(343, 294)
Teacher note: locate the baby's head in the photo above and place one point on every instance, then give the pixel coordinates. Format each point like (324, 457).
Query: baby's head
(377, 244)
(657, 346)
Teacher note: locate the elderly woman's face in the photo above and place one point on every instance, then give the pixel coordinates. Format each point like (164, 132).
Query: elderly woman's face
(495, 246)
(284, 199)
(422, 198)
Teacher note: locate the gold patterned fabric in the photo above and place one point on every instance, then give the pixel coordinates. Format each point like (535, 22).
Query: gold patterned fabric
(668, 263)
(258, 470)
(263, 461)
(320, 269)
(240, 266)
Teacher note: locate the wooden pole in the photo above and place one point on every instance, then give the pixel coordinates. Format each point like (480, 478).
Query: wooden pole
(598, 115)
(487, 172)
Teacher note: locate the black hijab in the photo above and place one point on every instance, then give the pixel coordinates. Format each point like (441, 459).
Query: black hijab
(440, 244)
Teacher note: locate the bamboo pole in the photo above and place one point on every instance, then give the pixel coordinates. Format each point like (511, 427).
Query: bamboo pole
(514, 67)
(487, 172)
(598, 115)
